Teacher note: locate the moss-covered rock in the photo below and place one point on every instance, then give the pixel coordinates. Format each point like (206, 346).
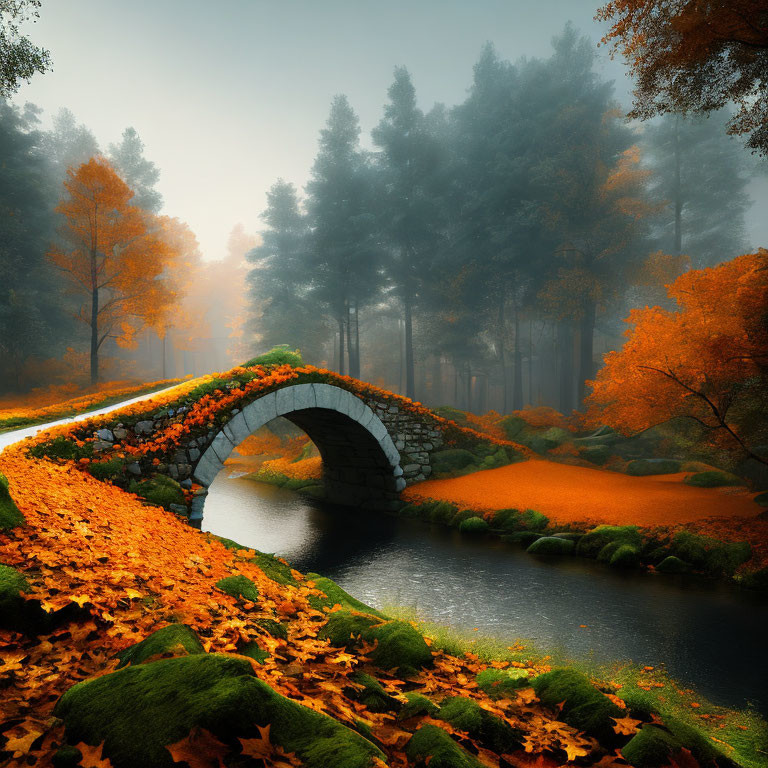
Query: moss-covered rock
(642, 467)
(14, 611)
(592, 543)
(160, 489)
(372, 694)
(651, 747)
(416, 706)
(551, 545)
(240, 587)
(491, 731)
(512, 426)
(399, 645)
(10, 516)
(432, 746)
(713, 478)
(597, 454)
(584, 707)
(274, 568)
(138, 710)
(173, 640)
(66, 757)
(282, 354)
(107, 470)
(512, 520)
(672, 564)
(762, 499)
(717, 558)
(500, 683)
(335, 595)
(473, 525)
(754, 579)
(625, 556)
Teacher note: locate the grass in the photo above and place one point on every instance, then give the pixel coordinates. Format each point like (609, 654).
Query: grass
(741, 734)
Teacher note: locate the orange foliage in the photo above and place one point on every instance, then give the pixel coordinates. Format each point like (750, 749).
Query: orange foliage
(706, 361)
(542, 417)
(117, 256)
(304, 469)
(568, 494)
(66, 401)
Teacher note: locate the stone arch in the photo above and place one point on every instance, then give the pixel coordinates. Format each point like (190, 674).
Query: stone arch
(360, 461)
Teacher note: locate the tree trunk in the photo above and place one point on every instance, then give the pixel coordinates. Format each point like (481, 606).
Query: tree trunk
(357, 341)
(94, 336)
(677, 194)
(341, 345)
(530, 362)
(469, 388)
(586, 349)
(517, 384)
(565, 348)
(410, 385)
(436, 394)
(501, 323)
(165, 355)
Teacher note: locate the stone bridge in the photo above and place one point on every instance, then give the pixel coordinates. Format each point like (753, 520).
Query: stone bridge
(371, 449)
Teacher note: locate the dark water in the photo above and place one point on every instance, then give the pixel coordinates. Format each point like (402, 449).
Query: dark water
(709, 636)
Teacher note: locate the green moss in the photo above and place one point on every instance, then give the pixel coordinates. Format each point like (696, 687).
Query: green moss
(551, 545)
(160, 489)
(710, 555)
(651, 747)
(313, 491)
(514, 520)
(239, 587)
(275, 628)
(373, 695)
(625, 556)
(584, 707)
(500, 683)
(594, 541)
(761, 499)
(432, 746)
(490, 730)
(107, 470)
(274, 568)
(532, 520)
(335, 595)
(67, 757)
(672, 564)
(713, 479)
(175, 639)
(451, 460)
(282, 354)
(137, 711)
(512, 426)
(473, 525)
(399, 645)
(754, 579)
(10, 516)
(644, 467)
(254, 651)
(416, 706)
(13, 606)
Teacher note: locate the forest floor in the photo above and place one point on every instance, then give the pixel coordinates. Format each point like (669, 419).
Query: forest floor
(569, 494)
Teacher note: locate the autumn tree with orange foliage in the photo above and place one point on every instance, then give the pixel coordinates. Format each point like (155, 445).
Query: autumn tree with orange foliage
(707, 361)
(693, 56)
(115, 259)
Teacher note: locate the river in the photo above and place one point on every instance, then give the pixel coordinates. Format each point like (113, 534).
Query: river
(709, 636)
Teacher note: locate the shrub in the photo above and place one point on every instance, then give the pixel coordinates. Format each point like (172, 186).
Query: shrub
(594, 542)
(473, 525)
(451, 460)
(160, 489)
(710, 555)
(597, 454)
(672, 564)
(512, 426)
(625, 556)
(106, 470)
(282, 354)
(713, 479)
(641, 467)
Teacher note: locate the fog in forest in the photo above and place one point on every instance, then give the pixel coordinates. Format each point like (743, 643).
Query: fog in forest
(444, 199)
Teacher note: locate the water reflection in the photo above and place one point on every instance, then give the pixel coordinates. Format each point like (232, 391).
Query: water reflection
(708, 635)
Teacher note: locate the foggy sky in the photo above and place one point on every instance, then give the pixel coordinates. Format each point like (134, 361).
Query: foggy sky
(229, 96)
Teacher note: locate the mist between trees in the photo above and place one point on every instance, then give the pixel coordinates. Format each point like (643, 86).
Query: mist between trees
(481, 255)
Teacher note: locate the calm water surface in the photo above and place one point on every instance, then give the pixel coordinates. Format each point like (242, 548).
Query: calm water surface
(709, 636)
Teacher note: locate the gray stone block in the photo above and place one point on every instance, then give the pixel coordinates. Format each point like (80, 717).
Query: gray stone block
(143, 427)
(304, 397)
(399, 484)
(236, 429)
(106, 435)
(284, 400)
(327, 396)
(353, 406)
(207, 468)
(222, 446)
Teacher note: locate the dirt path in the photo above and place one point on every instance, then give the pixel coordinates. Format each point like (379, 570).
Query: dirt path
(575, 494)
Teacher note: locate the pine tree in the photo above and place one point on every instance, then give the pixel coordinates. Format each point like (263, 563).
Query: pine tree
(139, 174)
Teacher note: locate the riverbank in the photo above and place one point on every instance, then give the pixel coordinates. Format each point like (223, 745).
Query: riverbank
(129, 597)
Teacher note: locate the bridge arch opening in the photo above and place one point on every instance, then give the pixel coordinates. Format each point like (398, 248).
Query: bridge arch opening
(361, 465)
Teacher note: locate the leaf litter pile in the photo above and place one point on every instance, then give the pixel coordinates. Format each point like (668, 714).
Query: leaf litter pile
(184, 649)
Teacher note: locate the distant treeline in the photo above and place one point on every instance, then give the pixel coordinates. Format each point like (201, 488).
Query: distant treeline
(484, 255)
